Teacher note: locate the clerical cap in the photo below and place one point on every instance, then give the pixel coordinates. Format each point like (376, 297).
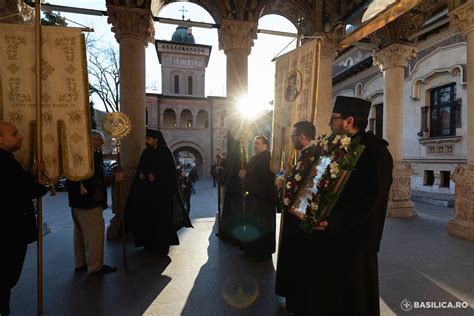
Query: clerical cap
(350, 106)
(152, 133)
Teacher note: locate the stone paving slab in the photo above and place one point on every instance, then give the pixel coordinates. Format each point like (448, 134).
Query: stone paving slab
(419, 262)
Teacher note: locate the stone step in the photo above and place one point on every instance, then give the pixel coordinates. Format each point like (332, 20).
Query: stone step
(441, 199)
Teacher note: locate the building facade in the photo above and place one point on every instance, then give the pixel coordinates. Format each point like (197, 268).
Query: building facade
(189, 121)
(435, 134)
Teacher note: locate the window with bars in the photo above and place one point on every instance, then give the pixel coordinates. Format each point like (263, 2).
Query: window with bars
(445, 111)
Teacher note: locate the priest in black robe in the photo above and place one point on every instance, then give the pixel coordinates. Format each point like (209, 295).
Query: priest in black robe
(232, 221)
(354, 229)
(296, 264)
(260, 203)
(155, 209)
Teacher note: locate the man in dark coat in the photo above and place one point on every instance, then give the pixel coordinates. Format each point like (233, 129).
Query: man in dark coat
(355, 227)
(194, 177)
(260, 203)
(88, 200)
(155, 209)
(17, 216)
(294, 259)
(214, 173)
(185, 186)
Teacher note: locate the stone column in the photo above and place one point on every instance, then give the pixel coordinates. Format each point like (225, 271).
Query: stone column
(133, 30)
(236, 39)
(392, 60)
(324, 98)
(462, 225)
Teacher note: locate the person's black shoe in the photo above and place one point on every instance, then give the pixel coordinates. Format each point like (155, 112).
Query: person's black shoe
(106, 269)
(81, 269)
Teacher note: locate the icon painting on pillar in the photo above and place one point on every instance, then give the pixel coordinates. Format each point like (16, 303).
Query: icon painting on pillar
(293, 85)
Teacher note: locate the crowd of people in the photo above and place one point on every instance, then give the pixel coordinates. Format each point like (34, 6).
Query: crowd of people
(330, 271)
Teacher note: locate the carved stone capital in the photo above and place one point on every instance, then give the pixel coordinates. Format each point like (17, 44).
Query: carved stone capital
(237, 34)
(394, 55)
(18, 12)
(329, 45)
(131, 22)
(399, 199)
(463, 17)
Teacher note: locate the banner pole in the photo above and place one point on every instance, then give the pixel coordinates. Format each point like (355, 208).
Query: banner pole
(316, 67)
(38, 155)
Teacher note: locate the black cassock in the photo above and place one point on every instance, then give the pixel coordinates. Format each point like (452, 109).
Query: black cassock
(260, 206)
(335, 272)
(297, 263)
(355, 230)
(232, 220)
(155, 210)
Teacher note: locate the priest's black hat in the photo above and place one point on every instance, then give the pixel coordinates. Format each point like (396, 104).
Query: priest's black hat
(350, 106)
(153, 133)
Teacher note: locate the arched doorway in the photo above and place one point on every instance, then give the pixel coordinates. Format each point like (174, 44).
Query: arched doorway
(190, 157)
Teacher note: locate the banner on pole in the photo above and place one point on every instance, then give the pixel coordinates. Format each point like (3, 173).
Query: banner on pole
(66, 137)
(295, 96)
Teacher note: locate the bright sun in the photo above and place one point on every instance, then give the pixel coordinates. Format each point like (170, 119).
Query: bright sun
(251, 107)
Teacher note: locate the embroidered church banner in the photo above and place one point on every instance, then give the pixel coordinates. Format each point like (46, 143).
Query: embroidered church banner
(66, 137)
(295, 96)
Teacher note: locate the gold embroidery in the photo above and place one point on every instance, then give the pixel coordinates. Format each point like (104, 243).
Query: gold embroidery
(13, 68)
(68, 46)
(50, 160)
(74, 116)
(46, 69)
(48, 139)
(76, 138)
(14, 93)
(70, 69)
(47, 117)
(12, 45)
(77, 159)
(15, 117)
(71, 94)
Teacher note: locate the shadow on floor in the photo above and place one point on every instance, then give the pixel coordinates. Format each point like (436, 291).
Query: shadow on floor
(229, 284)
(125, 292)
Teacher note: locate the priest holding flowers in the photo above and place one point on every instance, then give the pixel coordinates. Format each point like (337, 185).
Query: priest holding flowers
(340, 255)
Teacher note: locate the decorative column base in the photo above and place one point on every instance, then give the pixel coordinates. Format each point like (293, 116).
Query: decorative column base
(400, 204)
(114, 229)
(462, 225)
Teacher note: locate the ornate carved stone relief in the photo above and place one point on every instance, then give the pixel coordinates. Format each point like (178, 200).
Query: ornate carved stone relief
(237, 34)
(463, 17)
(131, 22)
(19, 12)
(395, 55)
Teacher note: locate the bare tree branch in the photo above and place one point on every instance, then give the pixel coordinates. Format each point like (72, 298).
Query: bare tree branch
(104, 73)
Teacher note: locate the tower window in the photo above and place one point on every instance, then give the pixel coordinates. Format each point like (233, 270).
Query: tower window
(176, 84)
(190, 85)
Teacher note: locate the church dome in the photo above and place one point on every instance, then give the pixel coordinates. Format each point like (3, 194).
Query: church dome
(182, 35)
